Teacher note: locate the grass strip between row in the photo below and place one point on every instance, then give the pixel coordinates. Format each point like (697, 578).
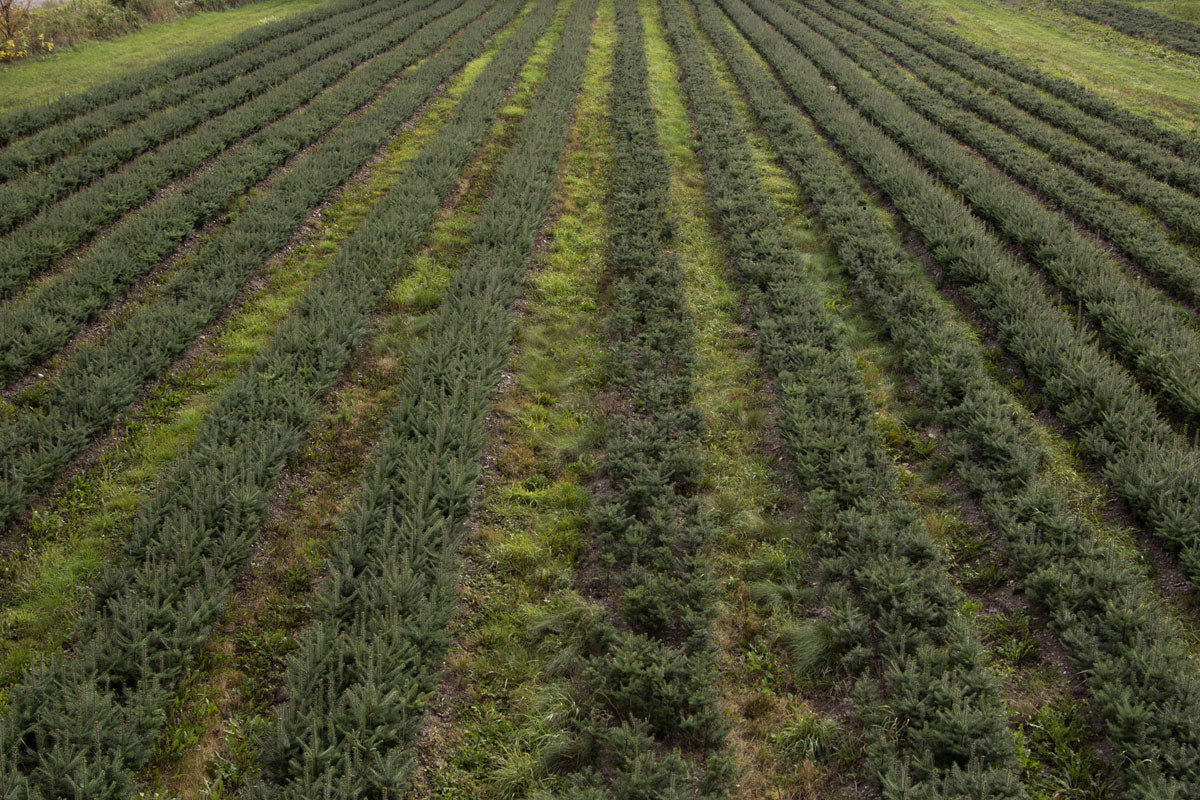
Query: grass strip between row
(100, 381)
(82, 726)
(1177, 209)
(53, 142)
(358, 686)
(1109, 216)
(29, 194)
(1117, 423)
(1142, 23)
(1142, 683)
(934, 702)
(274, 132)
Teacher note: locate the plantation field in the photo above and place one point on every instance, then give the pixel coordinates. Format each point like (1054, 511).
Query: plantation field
(606, 398)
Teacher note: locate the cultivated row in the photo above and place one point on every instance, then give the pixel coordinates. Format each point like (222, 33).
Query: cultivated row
(55, 141)
(100, 381)
(380, 636)
(644, 661)
(25, 196)
(82, 726)
(1121, 223)
(1143, 23)
(1117, 423)
(1143, 685)
(23, 122)
(930, 699)
(161, 224)
(1175, 207)
(1146, 330)
(1167, 154)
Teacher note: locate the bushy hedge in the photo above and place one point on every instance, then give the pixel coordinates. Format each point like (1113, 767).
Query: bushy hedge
(71, 22)
(1143, 685)
(380, 635)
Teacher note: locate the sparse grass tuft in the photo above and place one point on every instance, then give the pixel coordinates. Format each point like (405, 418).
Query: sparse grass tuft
(811, 738)
(1061, 764)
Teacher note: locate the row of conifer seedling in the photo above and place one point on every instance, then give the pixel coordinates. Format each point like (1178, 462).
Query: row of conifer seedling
(88, 723)
(100, 380)
(1141, 681)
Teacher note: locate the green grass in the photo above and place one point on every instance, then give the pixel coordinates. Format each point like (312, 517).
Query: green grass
(904, 421)
(1188, 10)
(1141, 75)
(785, 744)
(72, 69)
(1034, 689)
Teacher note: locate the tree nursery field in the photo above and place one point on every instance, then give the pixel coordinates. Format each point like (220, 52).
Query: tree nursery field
(785, 399)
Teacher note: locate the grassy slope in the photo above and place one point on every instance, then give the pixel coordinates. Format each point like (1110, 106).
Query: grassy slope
(1139, 74)
(1181, 9)
(40, 80)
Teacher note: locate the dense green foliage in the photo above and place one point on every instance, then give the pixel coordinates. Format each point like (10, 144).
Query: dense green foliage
(81, 726)
(1142, 682)
(1173, 206)
(1143, 23)
(55, 141)
(101, 380)
(143, 238)
(936, 708)
(645, 671)
(1146, 461)
(42, 320)
(931, 165)
(358, 686)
